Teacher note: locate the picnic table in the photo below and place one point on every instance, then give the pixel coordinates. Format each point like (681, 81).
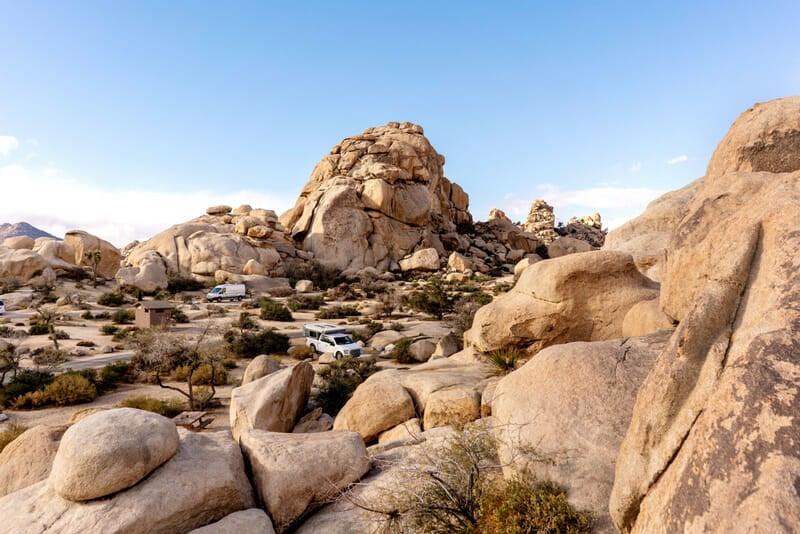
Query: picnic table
(193, 420)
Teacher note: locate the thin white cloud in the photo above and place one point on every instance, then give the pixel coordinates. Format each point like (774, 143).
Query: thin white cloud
(8, 144)
(678, 159)
(615, 204)
(55, 202)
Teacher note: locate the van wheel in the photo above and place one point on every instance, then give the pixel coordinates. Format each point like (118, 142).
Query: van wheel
(337, 356)
(239, 298)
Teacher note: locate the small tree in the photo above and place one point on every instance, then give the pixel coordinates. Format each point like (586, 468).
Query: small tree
(94, 257)
(160, 353)
(433, 299)
(47, 317)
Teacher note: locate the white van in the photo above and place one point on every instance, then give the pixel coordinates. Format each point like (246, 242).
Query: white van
(226, 292)
(324, 337)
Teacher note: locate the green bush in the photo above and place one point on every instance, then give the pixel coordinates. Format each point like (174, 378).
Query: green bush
(340, 379)
(251, 344)
(274, 311)
(525, 505)
(504, 360)
(61, 334)
(112, 298)
(26, 381)
(432, 299)
(460, 488)
(305, 302)
(116, 372)
(124, 316)
(402, 351)
(301, 352)
(167, 408)
(322, 277)
(70, 388)
(102, 315)
(179, 316)
(177, 284)
(10, 433)
(337, 312)
(87, 315)
(109, 329)
(202, 374)
(38, 329)
(245, 322)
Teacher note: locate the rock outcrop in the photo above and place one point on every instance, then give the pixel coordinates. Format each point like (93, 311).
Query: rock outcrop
(572, 403)
(202, 483)
(294, 473)
(541, 222)
(109, 451)
(713, 438)
(580, 297)
(375, 406)
(375, 198)
(274, 402)
(252, 521)
(241, 245)
(29, 458)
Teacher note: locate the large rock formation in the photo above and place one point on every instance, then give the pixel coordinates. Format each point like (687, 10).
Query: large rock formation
(294, 473)
(375, 198)
(239, 245)
(713, 442)
(374, 407)
(29, 458)
(541, 222)
(572, 403)
(274, 402)
(580, 297)
(109, 451)
(204, 482)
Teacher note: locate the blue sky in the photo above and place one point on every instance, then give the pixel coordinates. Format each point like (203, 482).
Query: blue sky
(122, 118)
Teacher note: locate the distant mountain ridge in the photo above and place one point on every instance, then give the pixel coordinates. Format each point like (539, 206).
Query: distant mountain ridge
(21, 228)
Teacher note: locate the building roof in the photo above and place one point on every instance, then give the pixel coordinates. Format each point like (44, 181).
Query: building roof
(154, 305)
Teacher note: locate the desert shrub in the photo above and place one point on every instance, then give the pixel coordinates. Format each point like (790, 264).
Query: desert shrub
(432, 299)
(273, 311)
(124, 316)
(87, 315)
(177, 284)
(460, 488)
(6, 331)
(61, 334)
(165, 407)
(340, 379)
(70, 388)
(251, 344)
(541, 250)
(179, 316)
(86, 343)
(48, 357)
(116, 372)
(38, 329)
(337, 312)
(504, 360)
(112, 298)
(301, 352)
(526, 505)
(229, 362)
(202, 375)
(109, 329)
(244, 322)
(402, 351)
(322, 277)
(48, 297)
(397, 327)
(25, 382)
(102, 315)
(305, 302)
(10, 433)
(123, 333)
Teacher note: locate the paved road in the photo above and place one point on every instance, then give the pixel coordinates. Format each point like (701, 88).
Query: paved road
(99, 360)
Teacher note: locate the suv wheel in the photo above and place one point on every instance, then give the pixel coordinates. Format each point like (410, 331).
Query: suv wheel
(338, 356)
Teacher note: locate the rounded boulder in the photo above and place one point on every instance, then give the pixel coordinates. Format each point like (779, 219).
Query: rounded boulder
(110, 451)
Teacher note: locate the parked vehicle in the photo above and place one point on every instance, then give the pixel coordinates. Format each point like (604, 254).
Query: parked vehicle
(2, 307)
(324, 337)
(226, 292)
